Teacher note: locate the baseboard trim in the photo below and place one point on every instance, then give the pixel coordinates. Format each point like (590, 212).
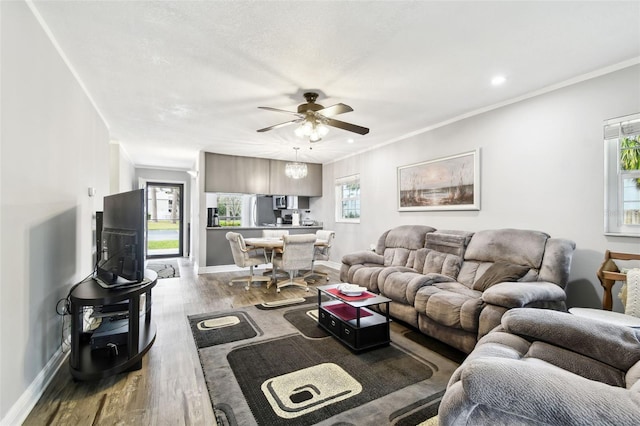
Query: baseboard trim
(23, 406)
(229, 268)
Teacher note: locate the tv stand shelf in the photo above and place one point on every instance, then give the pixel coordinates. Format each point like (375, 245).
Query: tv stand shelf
(89, 364)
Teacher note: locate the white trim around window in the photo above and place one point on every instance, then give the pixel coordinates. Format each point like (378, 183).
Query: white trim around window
(622, 176)
(347, 191)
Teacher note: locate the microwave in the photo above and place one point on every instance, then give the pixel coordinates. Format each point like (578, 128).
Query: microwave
(285, 202)
(279, 202)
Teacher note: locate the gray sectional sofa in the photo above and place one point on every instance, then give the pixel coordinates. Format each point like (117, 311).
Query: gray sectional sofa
(550, 368)
(455, 285)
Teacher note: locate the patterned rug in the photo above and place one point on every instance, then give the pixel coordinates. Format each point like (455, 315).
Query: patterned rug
(277, 367)
(164, 268)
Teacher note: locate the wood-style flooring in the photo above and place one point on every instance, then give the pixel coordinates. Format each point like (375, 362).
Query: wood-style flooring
(170, 388)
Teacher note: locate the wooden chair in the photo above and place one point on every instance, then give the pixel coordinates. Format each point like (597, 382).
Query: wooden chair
(609, 273)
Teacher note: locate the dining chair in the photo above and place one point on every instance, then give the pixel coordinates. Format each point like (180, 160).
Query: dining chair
(244, 257)
(297, 254)
(273, 233)
(321, 252)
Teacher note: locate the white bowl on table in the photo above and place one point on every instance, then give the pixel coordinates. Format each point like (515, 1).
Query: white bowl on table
(351, 289)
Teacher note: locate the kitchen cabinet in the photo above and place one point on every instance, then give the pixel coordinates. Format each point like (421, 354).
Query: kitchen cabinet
(251, 175)
(236, 174)
(310, 186)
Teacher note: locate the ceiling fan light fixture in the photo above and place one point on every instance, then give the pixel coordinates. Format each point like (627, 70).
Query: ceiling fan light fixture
(322, 130)
(312, 128)
(313, 120)
(295, 170)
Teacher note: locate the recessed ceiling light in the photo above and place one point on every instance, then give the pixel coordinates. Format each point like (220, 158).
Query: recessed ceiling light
(349, 140)
(498, 80)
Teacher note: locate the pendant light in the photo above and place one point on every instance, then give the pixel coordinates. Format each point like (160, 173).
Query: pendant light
(296, 170)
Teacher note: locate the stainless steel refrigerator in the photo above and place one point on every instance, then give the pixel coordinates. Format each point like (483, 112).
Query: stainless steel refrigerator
(263, 213)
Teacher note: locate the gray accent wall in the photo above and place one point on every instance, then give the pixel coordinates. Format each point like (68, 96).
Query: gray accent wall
(55, 147)
(541, 163)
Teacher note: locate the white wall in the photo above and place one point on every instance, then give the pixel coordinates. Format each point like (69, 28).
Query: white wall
(54, 147)
(199, 215)
(541, 168)
(121, 170)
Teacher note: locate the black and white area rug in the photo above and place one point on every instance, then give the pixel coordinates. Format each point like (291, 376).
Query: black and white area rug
(164, 268)
(277, 367)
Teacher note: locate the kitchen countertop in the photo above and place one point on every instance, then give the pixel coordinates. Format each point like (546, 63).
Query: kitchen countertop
(230, 228)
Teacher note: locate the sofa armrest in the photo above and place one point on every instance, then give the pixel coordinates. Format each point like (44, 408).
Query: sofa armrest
(362, 257)
(611, 344)
(522, 293)
(531, 389)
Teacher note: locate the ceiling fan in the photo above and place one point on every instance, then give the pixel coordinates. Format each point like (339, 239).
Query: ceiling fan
(313, 119)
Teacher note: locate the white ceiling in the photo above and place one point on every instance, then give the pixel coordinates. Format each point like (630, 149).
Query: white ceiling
(174, 77)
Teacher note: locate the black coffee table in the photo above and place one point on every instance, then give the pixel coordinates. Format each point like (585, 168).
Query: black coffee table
(351, 319)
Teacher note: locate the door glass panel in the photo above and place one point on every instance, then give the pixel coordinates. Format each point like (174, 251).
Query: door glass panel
(164, 220)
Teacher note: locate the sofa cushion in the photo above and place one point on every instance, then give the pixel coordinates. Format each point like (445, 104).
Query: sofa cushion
(500, 272)
(366, 275)
(401, 284)
(518, 246)
(406, 236)
(398, 256)
(431, 261)
(451, 304)
(577, 334)
(397, 286)
(451, 242)
(576, 363)
(557, 261)
(398, 245)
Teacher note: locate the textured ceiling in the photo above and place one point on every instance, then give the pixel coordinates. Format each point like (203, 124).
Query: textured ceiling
(172, 78)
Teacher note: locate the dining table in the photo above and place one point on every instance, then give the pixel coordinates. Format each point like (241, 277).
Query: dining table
(273, 245)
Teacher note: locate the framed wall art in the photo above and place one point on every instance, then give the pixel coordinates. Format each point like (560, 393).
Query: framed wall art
(449, 183)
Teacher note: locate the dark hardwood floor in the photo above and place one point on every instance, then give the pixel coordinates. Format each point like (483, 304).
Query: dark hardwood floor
(170, 388)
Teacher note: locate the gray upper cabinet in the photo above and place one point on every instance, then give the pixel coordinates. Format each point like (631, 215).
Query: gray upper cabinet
(230, 173)
(250, 175)
(280, 184)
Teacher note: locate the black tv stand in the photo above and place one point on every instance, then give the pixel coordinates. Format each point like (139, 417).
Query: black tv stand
(112, 357)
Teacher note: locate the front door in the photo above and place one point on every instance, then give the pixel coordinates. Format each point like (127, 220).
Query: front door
(164, 219)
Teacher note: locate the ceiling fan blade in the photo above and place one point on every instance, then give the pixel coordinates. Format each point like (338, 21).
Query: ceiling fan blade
(280, 110)
(336, 109)
(277, 126)
(346, 126)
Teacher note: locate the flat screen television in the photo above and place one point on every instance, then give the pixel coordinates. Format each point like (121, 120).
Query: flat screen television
(122, 246)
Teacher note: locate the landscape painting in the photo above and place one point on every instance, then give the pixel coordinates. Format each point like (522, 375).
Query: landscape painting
(450, 183)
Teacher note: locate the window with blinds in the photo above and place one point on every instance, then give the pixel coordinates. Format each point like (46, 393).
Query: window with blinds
(622, 175)
(348, 199)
